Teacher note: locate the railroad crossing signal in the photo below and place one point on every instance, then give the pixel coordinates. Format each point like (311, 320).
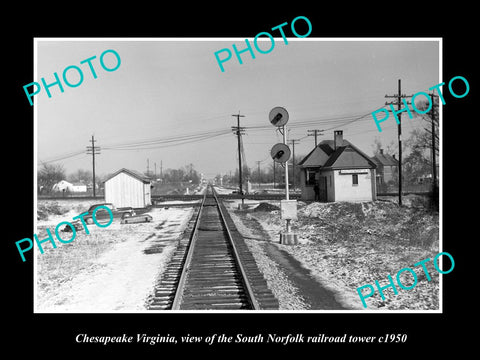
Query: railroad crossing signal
(280, 153)
(278, 116)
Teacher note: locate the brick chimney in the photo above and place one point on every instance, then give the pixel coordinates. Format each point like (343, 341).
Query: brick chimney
(381, 151)
(338, 139)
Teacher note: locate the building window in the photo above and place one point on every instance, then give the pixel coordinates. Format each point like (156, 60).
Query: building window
(354, 179)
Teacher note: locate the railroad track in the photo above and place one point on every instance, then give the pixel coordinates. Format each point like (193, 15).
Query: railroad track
(212, 267)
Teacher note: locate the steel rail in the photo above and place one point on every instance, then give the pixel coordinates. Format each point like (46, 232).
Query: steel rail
(186, 268)
(246, 283)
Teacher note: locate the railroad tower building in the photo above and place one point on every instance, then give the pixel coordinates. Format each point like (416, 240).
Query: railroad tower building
(338, 171)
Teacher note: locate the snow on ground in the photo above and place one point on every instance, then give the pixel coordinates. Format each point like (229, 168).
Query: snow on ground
(278, 282)
(121, 277)
(223, 191)
(177, 202)
(345, 246)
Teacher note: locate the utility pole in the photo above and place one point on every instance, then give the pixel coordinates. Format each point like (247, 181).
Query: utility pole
(435, 190)
(238, 131)
(399, 98)
(315, 133)
(293, 142)
(94, 150)
(434, 160)
(148, 168)
(155, 173)
(258, 165)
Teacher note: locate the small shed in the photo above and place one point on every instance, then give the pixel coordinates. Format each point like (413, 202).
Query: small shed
(339, 170)
(128, 188)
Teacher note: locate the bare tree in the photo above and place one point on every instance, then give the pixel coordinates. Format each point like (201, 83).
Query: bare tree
(425, 138)
(83, 176)
(390, 148)
(48, 175)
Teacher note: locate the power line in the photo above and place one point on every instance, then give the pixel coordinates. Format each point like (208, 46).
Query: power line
(163, 142)
(183, 139)
(62, 157)
(315, 133)
(340, 120)
(134, 147)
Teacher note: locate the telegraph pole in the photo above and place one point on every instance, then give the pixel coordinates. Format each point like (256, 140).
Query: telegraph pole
(435, 190)
(434, 160)
(93, 150)
(315, 133)
(258, 165)
(238, 131)
(399, 98)
(293, 142)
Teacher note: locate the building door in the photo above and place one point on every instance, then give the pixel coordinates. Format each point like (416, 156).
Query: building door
(147, 195)
(322, 185)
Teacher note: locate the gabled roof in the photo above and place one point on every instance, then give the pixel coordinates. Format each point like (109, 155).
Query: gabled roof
(385, 159)
(327, 146)
(64, 182)
(347, 156)
(307, 157)
(136, 174)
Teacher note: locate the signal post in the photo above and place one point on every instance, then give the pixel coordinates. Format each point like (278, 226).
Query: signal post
(281, 153)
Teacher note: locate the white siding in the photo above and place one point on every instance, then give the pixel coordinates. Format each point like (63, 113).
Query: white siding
(373, 174)
(124, 190)
(79, 188)
(345, 191)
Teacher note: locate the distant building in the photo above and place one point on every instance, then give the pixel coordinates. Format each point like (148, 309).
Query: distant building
(387, 167)
(341, 171)
(64, 185)
(128, 188)
(79, 187)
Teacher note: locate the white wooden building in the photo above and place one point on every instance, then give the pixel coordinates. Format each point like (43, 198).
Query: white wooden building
(340, 170)
(128, 188)
(64, 185)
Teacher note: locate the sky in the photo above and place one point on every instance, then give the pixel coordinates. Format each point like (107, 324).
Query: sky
(168, 104)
